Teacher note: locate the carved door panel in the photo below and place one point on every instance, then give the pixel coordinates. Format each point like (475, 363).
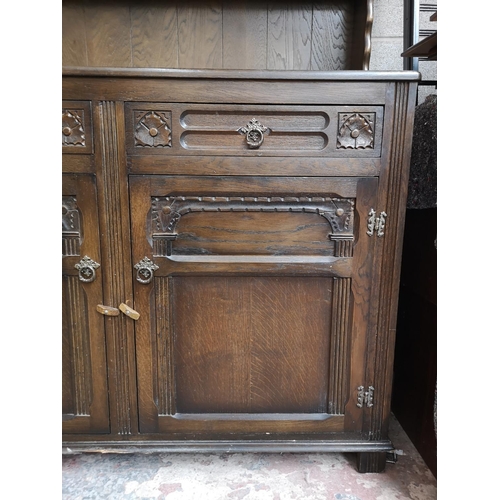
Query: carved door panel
(84, 380)
(254, 295)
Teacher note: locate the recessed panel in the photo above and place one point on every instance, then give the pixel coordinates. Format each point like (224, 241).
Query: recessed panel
(278, 141)
(257, 233)
(252, 344)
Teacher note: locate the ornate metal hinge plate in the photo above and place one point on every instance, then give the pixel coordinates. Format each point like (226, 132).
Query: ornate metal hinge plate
(145, 269)
(254, 131)
(86, 269)
(365, 398)
(376, 223)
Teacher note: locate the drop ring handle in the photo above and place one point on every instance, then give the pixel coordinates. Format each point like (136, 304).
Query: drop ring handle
(86, 269)
(254, 132)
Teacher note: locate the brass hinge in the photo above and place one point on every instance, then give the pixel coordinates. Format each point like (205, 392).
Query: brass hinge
(365, 398)
(376, 223)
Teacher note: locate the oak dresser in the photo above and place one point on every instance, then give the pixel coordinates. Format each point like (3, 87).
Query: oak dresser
(231, 256)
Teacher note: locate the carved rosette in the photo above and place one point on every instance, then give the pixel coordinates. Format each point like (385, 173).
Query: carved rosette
(166, 213)
(356, 131)
(71, 227)
(73, 132)
(153, 129)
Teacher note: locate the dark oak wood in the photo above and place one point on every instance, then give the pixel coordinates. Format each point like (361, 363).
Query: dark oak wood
(107, 24)
(218, 34)
(153, 35)
(244, 35)
(85, 389)
(74, 46)
(330, 76)
(289, 36)
(115, 237)
(371, 462)
(261, 298)
(200, 34)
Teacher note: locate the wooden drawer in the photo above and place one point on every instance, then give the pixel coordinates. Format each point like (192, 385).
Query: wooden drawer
(254, 131)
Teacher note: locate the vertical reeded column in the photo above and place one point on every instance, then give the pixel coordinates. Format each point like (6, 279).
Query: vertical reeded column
(79, 338)
(394, 181)
(115, 236)
(339, 353)
(164, 349)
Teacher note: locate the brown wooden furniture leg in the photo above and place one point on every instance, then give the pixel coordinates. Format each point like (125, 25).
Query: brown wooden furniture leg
(371, 462)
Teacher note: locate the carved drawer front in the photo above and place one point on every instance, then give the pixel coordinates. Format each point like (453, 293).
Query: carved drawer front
(184, 129)
(76, 127)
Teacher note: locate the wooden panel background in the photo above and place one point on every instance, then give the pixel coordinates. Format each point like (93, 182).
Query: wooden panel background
(213, 34)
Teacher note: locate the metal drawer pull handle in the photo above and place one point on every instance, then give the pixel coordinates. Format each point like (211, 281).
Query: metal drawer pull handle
(107, 310)
(86, 269)
(145, 269)
(128, 311)
(254, 131)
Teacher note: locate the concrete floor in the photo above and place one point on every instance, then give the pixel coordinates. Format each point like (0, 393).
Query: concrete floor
(248, 476)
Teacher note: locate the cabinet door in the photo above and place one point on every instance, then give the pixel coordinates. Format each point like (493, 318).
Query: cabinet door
(254, 299)
(84, 386)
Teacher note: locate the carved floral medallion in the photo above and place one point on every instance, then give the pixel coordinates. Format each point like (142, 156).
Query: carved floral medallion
(152, 129)
(73, 132)
(356, 131)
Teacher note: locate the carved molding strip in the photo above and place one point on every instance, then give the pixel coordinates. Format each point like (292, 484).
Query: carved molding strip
(71, 227)
(356, 131)
(73, 132)
(343, 247)
(339, 350)
(152, 129)
(396, 201)
(166, 212)
(116, 330)
(165, 399)
(79, 337)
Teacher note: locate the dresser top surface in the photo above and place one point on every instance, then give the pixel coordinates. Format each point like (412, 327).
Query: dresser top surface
(346, 75)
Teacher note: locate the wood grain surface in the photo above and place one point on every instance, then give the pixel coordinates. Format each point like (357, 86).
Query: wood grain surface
(244, 35)
(235, 339)
(154, 35)
(261, 319)
(85, 388)
(213, 34)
